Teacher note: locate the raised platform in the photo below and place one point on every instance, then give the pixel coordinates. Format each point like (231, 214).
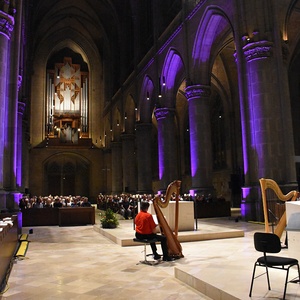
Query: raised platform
(219, 267)
(206, 231)
(123, 235)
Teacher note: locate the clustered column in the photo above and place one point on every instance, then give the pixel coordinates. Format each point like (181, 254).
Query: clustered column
(6, 28)
(116, 172)
(200, 137)
(129, 169)
(144, 157)
(266, 123)
(21, 108)
(266, 115)
(167, 148)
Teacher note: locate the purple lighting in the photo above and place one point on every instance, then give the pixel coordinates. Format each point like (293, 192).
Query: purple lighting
(173, 67)
(147, 95)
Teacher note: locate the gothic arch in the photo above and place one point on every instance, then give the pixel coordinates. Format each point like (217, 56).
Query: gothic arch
(115, 126)
(171, 78)
(213, 29)
(147, 100)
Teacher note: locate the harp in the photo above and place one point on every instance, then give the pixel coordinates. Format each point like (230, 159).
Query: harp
(174, 246)
(274, 205)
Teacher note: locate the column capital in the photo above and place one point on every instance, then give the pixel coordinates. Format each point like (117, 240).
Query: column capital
(197, 91)
(258, 50)
(164, 112)
(7, 23)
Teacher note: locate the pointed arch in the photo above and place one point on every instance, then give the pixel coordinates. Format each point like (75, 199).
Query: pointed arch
(173, 72)
(147, 100)
(129, 115)
(213, 29)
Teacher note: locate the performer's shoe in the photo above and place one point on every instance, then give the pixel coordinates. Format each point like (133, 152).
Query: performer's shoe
(168, 258)
(157, 256)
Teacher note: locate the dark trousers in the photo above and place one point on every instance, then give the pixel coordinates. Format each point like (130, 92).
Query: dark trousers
(161, 238)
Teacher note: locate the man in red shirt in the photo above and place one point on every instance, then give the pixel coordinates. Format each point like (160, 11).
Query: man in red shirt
(145, 228)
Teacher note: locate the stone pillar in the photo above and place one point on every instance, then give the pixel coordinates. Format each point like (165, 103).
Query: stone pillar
(6, 28)
(268, 128)
(266, 115)
(144, 157)
(107, 172)
(14, 82)
(19, 171)
(200, 138)
(116, 164)
(167, 147)
(129, 163)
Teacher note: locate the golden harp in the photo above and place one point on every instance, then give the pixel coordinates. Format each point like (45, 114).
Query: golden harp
(174, 246)
(272, 198)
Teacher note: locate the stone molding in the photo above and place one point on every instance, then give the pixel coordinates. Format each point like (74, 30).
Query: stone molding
(258, 50)
(197, 91)
(7, 23)
(162, 113)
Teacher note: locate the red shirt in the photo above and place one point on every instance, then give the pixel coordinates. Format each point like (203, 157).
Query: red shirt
(144, 223)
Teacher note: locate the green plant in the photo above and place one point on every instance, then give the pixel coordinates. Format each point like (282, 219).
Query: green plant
(109, 219)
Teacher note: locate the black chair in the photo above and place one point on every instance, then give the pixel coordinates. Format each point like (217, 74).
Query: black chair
(146, 242)
(270, 243)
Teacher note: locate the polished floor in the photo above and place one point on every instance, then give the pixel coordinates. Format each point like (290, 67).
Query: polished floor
(86, 262)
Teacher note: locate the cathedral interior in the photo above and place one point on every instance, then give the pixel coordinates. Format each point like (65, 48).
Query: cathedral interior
(125, 96)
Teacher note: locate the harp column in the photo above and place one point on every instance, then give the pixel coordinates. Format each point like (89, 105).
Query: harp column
(200, 137)
(144, 157)
(167, 150)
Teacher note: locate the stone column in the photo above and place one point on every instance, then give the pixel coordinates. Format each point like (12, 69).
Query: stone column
(14, 82)
(129, 163)
(116, 164)
(266, 115)
(19, 183)
(144, 157)
(6, 28)
(167, 147)
(266, 118)
(107, 172)
(200, 138)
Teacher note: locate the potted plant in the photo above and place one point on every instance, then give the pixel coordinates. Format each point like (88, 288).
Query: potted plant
(109, 219)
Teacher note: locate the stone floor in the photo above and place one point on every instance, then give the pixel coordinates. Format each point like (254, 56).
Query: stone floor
(87, 262)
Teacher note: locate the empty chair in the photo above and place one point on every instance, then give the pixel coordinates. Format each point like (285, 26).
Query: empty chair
(270, 243)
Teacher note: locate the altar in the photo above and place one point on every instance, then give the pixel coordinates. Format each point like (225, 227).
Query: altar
(185, 215)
